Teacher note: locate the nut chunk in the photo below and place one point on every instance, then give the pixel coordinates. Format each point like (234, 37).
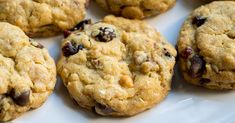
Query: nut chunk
(126, 81)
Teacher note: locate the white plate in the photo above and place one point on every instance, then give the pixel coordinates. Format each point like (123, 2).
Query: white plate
(184, 104)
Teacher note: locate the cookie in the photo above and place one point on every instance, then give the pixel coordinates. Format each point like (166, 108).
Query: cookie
(136, 9)
(206, 46)
(42, 18)
(216, 0)
(27, 73)
(116, 67)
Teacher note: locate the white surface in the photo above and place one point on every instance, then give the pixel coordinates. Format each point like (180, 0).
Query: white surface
(184, 104)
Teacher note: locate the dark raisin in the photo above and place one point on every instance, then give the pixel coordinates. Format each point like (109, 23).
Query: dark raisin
(186, 52)
(71, 48)
(81, 25)
(197, 66)
(166, 53)
(20, 99)
(104, 109)
(105, 34)
(204, 81)
(67, 33)
(198, 21)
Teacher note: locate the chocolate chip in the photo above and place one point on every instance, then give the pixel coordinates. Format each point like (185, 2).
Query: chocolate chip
(198, 21)
(81, 25)
(36, 44)
(71, 48)
(20, 99)
(67, 33)
(197, 66)
(186, 52)
(105, 34)
(104, 109)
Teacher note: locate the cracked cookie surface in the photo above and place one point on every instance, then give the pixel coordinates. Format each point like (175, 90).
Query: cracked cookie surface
(40, 18)
(116, 67)
(136, 9)
(206, 46)
(27, 73)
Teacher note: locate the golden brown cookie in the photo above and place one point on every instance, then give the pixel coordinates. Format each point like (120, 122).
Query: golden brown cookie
(136, 9)
(117, 67)
(27, 73)
(40, 18)
(206, 46)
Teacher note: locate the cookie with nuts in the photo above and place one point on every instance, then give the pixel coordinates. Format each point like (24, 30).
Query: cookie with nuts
(116, 67)
(206, 46)
(42, 18)
(27, 73)
(136, 9)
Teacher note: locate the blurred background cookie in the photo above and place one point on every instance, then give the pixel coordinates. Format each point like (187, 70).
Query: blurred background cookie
(136, 9)
(40, 18)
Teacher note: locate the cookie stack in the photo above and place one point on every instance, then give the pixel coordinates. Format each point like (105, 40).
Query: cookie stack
(114, 67)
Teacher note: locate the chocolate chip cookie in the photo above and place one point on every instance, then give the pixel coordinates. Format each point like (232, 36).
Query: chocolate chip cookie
(206, 46)
(40, 18)
(116, 67)
(27, 73)
(136, 9)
